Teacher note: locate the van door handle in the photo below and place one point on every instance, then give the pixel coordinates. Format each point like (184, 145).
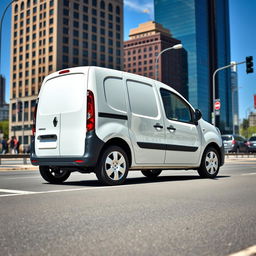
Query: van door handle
(171, 128)
(158, 126)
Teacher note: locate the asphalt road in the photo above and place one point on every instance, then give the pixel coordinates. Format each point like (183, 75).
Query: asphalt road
(179, 214)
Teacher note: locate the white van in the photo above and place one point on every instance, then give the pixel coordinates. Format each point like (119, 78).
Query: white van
(92, 119)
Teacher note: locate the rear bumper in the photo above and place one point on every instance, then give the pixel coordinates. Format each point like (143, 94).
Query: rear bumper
(93, 146)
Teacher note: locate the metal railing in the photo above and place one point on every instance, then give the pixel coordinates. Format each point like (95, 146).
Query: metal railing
(25, 157)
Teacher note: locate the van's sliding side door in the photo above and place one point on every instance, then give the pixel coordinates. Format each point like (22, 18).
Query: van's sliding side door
(146, 126)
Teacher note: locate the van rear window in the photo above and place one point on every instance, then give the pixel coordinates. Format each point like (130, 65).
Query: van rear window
(62, 94)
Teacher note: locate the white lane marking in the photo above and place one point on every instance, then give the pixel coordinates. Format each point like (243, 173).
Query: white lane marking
(19, 178)
(251, 173)
(22, 192)
(250, 251)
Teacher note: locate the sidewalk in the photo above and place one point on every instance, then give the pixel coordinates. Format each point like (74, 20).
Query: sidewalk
(16, 165)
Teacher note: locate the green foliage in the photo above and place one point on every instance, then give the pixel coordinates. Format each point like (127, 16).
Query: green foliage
(248, 132)
(245, 124)
(4, 128)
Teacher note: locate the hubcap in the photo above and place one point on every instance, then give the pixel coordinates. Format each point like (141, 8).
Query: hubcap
(211, 162)
(115, 165)
(58, 173)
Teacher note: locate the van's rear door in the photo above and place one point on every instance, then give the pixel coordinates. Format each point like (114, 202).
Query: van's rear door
(61, 116)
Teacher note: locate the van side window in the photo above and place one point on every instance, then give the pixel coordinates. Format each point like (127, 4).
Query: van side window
(114, 93)
(175, 108)
(142, 99)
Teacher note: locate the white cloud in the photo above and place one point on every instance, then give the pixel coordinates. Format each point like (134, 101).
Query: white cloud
(141, 7)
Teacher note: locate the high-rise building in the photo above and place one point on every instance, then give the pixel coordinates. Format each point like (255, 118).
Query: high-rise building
(2, 90)
(203, 28)
(235, 102)
(141, 50)
(252, 119)
(4, 108)
(49, 35)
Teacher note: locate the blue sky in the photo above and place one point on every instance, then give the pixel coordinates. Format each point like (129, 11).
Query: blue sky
(242, 34)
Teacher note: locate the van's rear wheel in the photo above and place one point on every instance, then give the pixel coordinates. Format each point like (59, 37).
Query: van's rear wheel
(113, 166)
(53, 174)
(151, 174)
(210, 163)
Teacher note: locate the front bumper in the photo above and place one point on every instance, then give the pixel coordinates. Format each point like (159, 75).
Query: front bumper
(222, 155)
(93, 147)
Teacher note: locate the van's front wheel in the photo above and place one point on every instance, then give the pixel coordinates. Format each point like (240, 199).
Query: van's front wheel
(210, 163)
(53, 174)
(113, 166)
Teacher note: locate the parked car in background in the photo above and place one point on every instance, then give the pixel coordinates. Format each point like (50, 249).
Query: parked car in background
(234, 143)
(251, 143)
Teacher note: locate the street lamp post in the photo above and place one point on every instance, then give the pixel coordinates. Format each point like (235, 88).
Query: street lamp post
(1, 24)
(233, 63)
(175, 47)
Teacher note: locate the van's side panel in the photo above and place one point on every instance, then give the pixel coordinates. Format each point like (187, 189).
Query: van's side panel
(146, 126)
(111, 105)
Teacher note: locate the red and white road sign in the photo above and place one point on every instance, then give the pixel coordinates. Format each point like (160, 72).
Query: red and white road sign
(217, 105)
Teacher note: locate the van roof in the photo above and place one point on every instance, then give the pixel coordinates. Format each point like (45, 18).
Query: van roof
(131, 75)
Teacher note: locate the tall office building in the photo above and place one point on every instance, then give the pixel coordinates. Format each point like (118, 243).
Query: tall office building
(2, 90)
(48, 35)
(141, 50)
(235, 102)
(4, 107)
(203, 28)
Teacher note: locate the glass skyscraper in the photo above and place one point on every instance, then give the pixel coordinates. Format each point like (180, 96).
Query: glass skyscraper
(203, 28)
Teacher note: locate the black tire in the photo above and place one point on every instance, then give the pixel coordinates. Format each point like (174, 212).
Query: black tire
(151, 174)
(54, 175)
(112, 168)
(210, 163)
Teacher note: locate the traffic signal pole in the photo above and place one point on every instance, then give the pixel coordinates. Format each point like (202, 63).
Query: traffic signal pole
(213, 87)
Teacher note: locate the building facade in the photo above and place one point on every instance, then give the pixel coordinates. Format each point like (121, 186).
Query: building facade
(141, 50)
(203, 28)
(49, 35)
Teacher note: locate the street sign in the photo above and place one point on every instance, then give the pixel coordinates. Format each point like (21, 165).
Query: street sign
(217, 104)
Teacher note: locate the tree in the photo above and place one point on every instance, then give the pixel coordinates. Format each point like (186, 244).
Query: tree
(4, 128)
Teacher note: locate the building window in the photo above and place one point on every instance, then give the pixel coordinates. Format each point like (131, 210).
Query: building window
(76, 15)
(110, 8)
(76, 6)
(102, 5)
(118, 10)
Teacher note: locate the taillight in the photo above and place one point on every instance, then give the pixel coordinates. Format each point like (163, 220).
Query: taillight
(64, 71)
(34, 119)
(233, 142)
(90, 124)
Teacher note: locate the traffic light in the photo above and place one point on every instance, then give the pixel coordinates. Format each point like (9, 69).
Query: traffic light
(249, 64)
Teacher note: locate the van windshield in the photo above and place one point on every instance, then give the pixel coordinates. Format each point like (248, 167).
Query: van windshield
(62, 94)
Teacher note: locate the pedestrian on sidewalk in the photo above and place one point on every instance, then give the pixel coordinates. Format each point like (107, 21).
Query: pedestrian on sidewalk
(12, 142)
(4, 146)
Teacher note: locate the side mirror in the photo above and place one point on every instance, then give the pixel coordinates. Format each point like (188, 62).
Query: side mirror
(197, 116)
